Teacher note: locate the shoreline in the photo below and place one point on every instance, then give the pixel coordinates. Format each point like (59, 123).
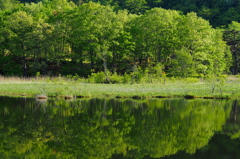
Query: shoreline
(117, 97)
(134, 91)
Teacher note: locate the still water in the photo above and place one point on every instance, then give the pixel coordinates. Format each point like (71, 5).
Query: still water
(113, 128)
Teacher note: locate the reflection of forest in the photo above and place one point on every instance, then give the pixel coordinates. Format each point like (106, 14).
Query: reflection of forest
(232, 128)
(103, 128)
(221, 146)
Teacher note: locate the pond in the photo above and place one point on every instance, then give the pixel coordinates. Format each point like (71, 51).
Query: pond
(119, 128)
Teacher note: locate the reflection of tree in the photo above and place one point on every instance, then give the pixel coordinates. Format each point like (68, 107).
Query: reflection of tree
(99, 128)
(233, 115)
(220, 147)
(180, 126)
(232, 128)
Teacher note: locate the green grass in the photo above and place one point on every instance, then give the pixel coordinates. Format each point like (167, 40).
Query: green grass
(62, 87)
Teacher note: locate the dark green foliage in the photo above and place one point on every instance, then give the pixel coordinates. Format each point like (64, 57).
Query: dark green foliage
(232, 37)
(10, 66)
(218, 12)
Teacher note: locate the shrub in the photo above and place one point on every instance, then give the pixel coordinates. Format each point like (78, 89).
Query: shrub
(191, 80)
(98, 77)
(126, 78)
(115, 78)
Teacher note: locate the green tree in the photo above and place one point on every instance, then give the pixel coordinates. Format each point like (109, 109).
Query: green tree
(154, 34)
(16, 27)
(186, 45)
(204, 44)
(183, 63)
(94, 29)
(48, 41)
(9, 4)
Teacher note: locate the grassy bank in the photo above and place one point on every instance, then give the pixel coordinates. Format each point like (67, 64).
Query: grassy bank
(60, 87)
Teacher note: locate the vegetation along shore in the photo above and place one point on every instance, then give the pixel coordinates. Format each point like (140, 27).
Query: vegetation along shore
(59, 87)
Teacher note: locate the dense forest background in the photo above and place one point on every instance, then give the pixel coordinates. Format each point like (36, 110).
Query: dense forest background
(183, 38)
(218, 12)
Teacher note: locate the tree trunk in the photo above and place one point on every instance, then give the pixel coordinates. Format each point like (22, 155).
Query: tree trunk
(92, 59)
(236, 61)
(105, 70)
(234, 111)
(236, 68)
(24, 66)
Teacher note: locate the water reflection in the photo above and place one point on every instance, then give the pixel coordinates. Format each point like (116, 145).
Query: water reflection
(110, 128)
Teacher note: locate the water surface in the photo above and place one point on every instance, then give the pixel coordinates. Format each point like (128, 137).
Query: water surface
(113, 128)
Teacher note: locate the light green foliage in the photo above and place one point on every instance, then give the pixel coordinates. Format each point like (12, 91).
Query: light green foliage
(52, 37)
(16, 27)
(94, 30)
(202, 45)
(154, 36)
(100, 77)
(8, 5)
(183, 64)
(97, 78)
(185, 44)
(19, 22)
(234, 25)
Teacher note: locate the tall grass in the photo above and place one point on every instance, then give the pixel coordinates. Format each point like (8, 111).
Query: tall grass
(163, 86)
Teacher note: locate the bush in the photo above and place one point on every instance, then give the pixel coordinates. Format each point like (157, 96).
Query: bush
(191, 80)
(126, 78)
(115, 78)
(137, 77)
(97, 78)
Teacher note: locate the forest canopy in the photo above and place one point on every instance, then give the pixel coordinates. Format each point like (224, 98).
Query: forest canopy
(80, 37)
